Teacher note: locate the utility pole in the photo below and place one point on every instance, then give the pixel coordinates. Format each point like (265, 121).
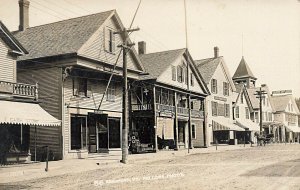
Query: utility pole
(126, 47)
(260, 94)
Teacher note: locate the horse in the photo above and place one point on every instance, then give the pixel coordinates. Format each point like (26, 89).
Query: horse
(261, 139)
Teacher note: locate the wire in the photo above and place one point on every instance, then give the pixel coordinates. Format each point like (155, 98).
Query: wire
(47, 8)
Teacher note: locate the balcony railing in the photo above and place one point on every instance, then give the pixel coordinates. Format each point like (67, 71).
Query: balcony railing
(19, 89)
(140, 107)
(165, 108)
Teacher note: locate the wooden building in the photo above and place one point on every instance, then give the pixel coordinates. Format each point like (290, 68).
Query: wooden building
(221, 126)
(168, 103)
(72, 60)
(20, 113)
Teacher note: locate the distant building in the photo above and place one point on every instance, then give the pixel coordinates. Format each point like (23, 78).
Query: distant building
(220, 119)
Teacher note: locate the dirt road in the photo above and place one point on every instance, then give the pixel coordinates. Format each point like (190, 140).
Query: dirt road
(270, 167)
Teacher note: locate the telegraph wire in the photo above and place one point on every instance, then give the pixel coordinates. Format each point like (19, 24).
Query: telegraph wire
(47, 8)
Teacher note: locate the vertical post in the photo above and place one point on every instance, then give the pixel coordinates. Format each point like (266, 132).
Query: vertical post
(35, 143)
(36, 91)
(205, 124)
(155, 120)
(260, 111)
(125, 109)
(47, 158)
(21, 134)
(176, 122)
(244, 139)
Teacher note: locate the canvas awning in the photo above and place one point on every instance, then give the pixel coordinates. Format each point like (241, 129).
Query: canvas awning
(295, 129)
(222, 124)
(26, 114)
(248, 125)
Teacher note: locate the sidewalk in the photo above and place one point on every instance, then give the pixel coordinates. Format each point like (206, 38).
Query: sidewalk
(14, 173)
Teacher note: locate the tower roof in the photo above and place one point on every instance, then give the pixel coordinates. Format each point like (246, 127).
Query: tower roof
(243, 71)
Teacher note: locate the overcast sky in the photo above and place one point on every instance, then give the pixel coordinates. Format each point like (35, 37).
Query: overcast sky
(270, 30)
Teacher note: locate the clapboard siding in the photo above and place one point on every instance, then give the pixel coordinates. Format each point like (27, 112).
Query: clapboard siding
(199, 141)
(97, 91)
(7, 64)
(95, 49)
(50, 99)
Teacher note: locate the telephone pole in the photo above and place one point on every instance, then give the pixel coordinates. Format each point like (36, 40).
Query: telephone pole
(260, 94)
(126, 47)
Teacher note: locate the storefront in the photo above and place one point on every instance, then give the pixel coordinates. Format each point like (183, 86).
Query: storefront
(247, 136)
(18, 137)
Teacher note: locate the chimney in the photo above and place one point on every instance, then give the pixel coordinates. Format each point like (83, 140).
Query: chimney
(142, 47)
(24, 14)
(216, 50)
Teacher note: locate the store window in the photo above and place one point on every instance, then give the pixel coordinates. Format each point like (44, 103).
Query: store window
(78, 132)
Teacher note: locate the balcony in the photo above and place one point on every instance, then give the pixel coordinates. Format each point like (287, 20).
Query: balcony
(19, 90)
(141, 107)
(165, 108)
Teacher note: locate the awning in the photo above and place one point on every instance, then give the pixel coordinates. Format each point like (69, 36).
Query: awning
(248, 125)
(223, 124)
(295, 129)
(26, 114)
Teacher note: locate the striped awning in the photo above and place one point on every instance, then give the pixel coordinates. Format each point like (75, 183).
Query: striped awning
(220, 124)
(26, 114)
(248, 125)
(295, 129)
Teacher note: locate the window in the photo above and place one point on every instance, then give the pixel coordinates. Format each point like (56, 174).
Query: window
(111, 92)
(237, 112)
(80, 87)
(242, 98)
(226, 89)
(214, 108)
(110, 45)
(270, 116)
(247, 113)
(214, 88)
(221, 110)
(193, 131)
(173, 73)
(192, 79)
(78, 132)
(227, 110)
(180, 74)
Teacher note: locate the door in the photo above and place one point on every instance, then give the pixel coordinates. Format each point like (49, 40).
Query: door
(181, 132)
(114, 133)
(102, 126)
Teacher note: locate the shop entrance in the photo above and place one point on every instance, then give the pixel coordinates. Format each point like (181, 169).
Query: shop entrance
(181, 134)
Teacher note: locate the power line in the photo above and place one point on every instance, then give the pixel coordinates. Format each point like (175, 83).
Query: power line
(47, 8)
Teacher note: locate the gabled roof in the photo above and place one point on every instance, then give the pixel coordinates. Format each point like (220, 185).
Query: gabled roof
(242, 89)
(63, 37)
(280, 102)
(252, 96)
(207, 67)
(11, 41)
(156, 63)
(243, 71)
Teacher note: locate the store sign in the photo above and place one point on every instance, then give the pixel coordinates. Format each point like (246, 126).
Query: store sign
(282, 92)
(220, 98)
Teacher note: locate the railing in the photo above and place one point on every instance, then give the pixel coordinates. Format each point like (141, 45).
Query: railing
(139, 107)
(197, 113)
(19, 89)
(292, 123)
(182, 111)
(165, 108)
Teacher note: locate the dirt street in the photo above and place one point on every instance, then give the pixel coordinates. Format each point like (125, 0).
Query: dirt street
(270, 167)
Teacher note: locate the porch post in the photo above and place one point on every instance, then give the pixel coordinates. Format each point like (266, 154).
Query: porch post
(35, 143)
(155, 120)
(176, 122)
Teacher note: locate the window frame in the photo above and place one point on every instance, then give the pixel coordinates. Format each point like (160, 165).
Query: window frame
(80, 87)
(225, 88)
(192, 79)
(227, 110)
(214, 86)
(237, 112)
(214, 108)
(111, 92)
(194, 134)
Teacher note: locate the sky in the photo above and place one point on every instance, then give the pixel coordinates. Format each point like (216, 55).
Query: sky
(266, 33)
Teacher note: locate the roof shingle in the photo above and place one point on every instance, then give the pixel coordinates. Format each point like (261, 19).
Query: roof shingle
(61, 37)
(207, 67)
(243, 70)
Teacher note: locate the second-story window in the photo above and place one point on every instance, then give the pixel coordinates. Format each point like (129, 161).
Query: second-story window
(247, 112)
(180, 74)
(226, 88)
(237, 112)
(227, 110)
(111, 92)
(214, 108)
(80, 87)
(173, 73)
(192, 79)
(214, 87)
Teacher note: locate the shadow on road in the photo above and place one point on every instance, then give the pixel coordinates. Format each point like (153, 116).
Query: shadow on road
(9, 187)
(289, 168)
